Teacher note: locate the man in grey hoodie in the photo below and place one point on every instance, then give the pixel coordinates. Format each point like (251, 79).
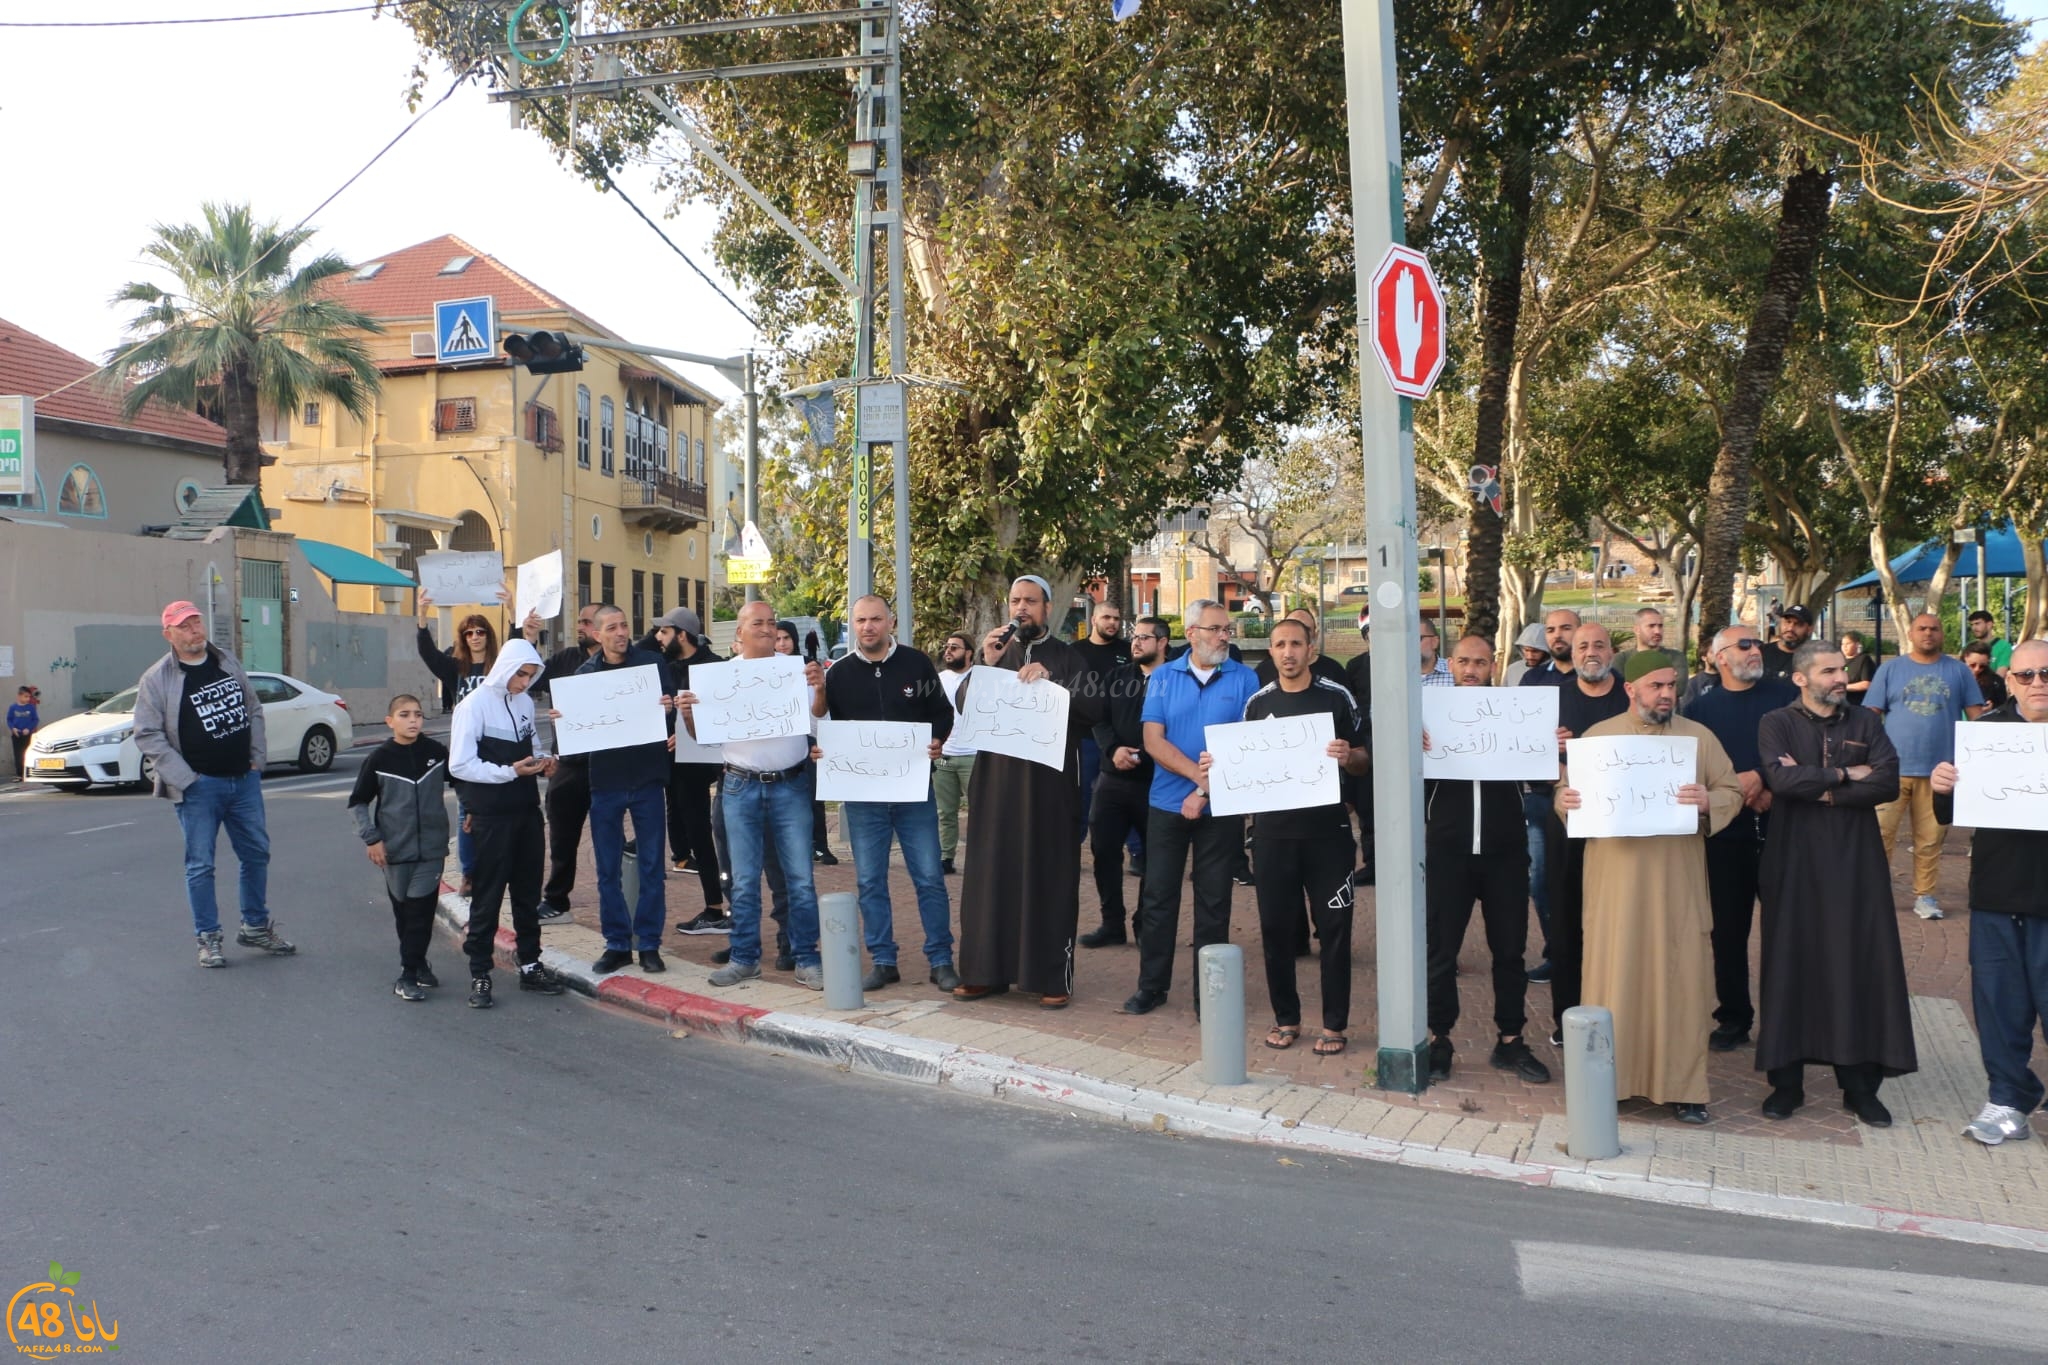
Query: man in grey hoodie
(198, 722)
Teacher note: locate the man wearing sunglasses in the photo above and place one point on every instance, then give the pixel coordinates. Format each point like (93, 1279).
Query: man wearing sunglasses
(1734, 709)
(2008, 922)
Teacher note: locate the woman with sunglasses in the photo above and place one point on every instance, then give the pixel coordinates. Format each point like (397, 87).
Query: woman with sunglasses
(462, 669)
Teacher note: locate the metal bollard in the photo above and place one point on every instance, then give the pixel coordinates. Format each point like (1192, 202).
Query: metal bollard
(839, 942)
(1589, 1102)
(1219, 979)
(629, 883)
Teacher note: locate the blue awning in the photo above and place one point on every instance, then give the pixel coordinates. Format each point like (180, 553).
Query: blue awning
(2002, 559)
(346, 566)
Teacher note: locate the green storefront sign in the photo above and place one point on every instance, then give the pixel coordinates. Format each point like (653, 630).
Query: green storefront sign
(17, 445)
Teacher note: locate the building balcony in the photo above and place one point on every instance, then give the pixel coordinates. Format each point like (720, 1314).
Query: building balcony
(659, 501)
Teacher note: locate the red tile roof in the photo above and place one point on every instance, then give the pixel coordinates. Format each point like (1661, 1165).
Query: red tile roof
(30, 365)
(411, 280)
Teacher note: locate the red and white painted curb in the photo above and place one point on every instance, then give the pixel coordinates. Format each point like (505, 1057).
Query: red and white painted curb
(925, 1061)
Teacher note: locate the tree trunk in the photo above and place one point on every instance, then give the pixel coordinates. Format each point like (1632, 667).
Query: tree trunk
(2034, 616)
(1802, 222)
(1116, 585)
(1504, 248)
(242, 462)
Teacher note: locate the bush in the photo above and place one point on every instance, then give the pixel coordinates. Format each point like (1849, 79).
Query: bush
(1425, 581)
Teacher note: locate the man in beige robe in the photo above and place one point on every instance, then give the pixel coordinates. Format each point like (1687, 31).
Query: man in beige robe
(1649, 925)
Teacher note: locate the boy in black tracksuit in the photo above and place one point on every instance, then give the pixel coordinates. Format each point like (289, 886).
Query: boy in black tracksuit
(403, 819)
(1476, 845)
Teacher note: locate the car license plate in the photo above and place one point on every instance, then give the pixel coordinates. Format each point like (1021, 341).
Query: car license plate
(49, 765)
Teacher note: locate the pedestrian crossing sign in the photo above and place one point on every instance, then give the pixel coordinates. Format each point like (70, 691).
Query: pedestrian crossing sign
(465, 329)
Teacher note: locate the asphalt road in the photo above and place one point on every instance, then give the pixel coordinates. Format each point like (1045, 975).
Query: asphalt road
(281, 1162)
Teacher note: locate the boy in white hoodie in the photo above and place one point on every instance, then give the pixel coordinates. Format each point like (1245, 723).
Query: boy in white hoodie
(491, 758)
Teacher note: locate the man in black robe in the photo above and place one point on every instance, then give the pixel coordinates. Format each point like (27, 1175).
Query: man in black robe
(1833, 986)
(1021, 899)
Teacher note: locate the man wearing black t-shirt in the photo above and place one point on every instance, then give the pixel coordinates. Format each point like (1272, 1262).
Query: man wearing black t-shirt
(1306, 854)
(200, 726)
(1590, 694)
(1106, 650)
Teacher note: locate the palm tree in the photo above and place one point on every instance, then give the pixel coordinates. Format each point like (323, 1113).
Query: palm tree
(243, 331)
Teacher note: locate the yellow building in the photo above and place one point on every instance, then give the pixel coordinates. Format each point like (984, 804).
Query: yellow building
(607, 465)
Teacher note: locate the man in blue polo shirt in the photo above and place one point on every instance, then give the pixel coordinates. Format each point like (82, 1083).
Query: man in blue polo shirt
(1203, 687)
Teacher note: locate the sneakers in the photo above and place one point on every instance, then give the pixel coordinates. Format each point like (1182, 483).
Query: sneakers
(824, 857)
(1927, 907)
(425, 976)
(682, 865)
(480, 992)
(1726, 1038)
(1440, 1054)
(210, 954)
(1517, 1058)
(811, 978)
(712, 921)
(732, 973)
(1539, 975)
(1104, 937)
(265, 938)
(405, 988)
(552, 910)
(536, 977)
(1996, 1123)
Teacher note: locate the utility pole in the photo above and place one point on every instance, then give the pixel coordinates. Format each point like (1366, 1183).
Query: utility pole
(1372, 93)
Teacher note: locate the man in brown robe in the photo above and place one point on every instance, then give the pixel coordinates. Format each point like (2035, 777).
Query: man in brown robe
(1834, 978)
(1648, 952)
(1021, 900)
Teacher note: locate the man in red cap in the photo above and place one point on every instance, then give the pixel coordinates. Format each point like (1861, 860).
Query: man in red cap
(200, 726)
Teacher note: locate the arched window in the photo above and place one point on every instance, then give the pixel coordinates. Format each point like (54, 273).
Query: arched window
(582, 427)
(80, 495)
(473, 533)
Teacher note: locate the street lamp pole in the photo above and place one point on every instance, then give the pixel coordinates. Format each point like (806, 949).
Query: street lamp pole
(1372, 96)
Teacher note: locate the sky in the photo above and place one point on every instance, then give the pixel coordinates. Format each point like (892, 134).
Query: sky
(111, 131)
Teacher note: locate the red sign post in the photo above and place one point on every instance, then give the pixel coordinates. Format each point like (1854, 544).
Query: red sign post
(1407, 325)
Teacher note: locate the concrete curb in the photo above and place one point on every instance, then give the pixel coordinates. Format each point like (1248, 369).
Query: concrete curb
(957, 1066)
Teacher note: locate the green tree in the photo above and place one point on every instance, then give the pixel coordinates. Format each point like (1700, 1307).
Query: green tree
(242, 331)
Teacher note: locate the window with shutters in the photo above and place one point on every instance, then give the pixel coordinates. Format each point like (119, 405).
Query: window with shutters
(608, 581)
(311, 416)
(582, 583)
(659, 609)
(639, 601)
(543, 428)
(582, 427)
(455, 414)
(605, 424)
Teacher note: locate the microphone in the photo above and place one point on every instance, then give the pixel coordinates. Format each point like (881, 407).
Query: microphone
(1016, 625)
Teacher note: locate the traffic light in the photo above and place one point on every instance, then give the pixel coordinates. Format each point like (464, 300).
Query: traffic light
(544, 352)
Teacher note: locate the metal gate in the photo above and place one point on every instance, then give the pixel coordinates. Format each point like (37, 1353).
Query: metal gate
(262, 614)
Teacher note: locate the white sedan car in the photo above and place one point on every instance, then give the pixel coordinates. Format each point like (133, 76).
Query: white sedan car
(302, 725)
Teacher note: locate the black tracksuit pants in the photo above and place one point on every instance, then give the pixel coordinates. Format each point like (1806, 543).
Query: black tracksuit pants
(568, 802)
(508, 859)
(1217, 842)
(689, 826)
(1500, 883)
(1118, 809)
(414, 917)
(1287, 873)
(1733, 867)
(1564, 866)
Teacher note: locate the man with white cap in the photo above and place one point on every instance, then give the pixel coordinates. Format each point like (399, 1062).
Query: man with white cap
(1021, 898)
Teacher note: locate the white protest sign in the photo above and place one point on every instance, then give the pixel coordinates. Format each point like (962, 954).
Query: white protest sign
(461, 577)
(611, 710)
(874, 760)
(1490, 734)
(1628, 786)
(1017, 719)
(1278, 764)
(750, 699)
(2001, 776)
(539, 588)
(689, 750)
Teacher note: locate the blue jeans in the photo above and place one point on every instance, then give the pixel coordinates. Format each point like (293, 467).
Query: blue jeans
(915, 825)
(2009, 995)
(1536, 815)
(236, 802)
(757, 814)
(608, 809)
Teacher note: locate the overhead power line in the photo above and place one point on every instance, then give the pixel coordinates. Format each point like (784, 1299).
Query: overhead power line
(210, 19)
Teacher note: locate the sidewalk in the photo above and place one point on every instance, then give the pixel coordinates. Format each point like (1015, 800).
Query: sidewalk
(1920, 1175)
